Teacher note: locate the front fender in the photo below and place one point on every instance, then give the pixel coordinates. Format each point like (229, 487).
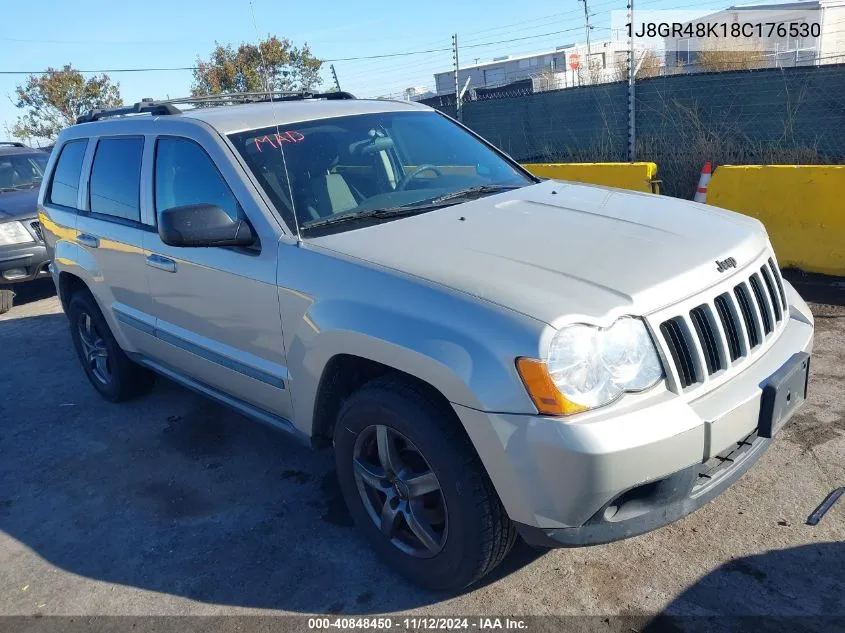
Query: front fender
(461, 345)
(466, 369)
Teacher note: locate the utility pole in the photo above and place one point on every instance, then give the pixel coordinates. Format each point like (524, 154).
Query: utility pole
(587, 28)
(458, 108)
(334, 74)
(632, 74)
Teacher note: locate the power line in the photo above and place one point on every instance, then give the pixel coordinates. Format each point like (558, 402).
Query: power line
(328, 60)
(19, 40)
(106, 70)
(182, 68)
(352, 59)
(520, 39)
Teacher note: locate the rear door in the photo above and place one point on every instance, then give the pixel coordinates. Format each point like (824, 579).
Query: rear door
(109, 237)
(217, 308)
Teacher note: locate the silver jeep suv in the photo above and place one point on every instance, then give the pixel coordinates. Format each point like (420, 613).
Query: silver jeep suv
(489, 354)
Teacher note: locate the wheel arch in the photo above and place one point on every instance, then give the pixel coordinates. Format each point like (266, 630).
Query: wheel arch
(68, 285)
(343, 375)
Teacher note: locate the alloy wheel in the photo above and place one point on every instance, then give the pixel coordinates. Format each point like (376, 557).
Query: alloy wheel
(400, 491)
(94, 351)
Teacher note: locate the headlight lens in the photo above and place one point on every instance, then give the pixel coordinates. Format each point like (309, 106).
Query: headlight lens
(14, 233)
(590, 366)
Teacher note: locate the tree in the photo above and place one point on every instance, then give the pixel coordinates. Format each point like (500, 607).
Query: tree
(713, 60)
(648, 64)
(288, 68)
(54, 99)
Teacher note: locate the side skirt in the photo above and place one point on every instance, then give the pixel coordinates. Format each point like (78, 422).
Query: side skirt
(238, 405)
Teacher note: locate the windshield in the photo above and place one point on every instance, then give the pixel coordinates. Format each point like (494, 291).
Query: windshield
(357, 165)
(22, 171)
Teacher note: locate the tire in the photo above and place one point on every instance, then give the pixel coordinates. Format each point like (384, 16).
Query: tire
(469, 531)
(7, 298)
(113, 375)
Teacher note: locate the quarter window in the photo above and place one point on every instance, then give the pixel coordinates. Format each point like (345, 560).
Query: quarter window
(184, 174)
(116, 178)
(65, 185)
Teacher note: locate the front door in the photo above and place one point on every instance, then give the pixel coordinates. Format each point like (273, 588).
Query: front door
(217, 309)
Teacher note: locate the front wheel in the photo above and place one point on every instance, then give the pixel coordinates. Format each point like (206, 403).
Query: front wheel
(416, 488)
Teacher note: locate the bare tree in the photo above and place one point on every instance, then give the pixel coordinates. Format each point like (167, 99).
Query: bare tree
(649, 62)
(713, 60)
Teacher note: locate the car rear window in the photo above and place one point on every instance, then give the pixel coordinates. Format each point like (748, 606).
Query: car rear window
(116, 178)
(65, 185)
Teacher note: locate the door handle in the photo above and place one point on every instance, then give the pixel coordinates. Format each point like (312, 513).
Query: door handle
(88, 240)
(162, 263)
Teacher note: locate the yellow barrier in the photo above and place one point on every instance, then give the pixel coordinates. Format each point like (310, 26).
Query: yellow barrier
(801, 207)
(634, 176)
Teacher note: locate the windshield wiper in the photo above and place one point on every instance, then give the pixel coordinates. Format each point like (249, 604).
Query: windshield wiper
(387, 212)
(470, 192)
(414, 208)
(29, 185)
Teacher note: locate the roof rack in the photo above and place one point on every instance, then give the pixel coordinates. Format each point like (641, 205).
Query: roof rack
(12, 143)
(168, 107)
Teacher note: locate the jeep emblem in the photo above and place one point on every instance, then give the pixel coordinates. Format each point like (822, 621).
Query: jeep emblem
(723, 265)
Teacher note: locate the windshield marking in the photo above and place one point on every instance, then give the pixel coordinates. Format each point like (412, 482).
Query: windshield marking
(291, 136)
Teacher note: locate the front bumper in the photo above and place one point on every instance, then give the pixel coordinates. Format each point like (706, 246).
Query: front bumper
(655, 504)
(638, 465)
(23, 262)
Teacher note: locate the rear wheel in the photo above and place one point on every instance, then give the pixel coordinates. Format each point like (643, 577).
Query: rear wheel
(108, 368)
(416, 488)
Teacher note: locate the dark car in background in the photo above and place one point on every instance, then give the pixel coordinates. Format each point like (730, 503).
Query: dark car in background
(23, 256)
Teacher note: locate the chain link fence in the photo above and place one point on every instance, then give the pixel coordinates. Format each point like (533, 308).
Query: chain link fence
(782, 115)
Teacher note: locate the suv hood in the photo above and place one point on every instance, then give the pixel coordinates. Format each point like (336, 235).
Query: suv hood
(556, 249)
(15, 205)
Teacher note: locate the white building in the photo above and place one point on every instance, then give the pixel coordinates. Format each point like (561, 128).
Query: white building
(562, 67)
(825, 47)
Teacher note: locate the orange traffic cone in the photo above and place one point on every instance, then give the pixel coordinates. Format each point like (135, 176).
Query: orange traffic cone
(701, 192)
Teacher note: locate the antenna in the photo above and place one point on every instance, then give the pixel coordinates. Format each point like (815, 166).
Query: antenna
(276, 123)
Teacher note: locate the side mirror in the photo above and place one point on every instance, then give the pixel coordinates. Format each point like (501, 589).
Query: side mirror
(202, 225)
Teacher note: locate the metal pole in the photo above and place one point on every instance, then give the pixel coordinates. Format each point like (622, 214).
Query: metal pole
(336, 82)
(632, 74)
(587, 28)
(458, 108)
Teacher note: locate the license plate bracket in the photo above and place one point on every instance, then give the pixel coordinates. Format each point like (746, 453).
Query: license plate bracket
(783, 393)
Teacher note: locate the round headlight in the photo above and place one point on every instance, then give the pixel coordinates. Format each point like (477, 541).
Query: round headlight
(593, 366)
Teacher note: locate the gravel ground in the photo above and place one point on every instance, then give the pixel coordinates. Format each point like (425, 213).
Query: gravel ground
(173, 505)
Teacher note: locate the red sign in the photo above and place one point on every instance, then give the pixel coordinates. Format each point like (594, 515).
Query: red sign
(573, 61)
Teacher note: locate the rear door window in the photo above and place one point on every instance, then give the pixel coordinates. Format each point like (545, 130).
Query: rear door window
(65, 186)
(115, 187)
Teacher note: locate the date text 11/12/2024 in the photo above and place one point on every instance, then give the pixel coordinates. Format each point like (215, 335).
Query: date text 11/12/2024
(480, 623)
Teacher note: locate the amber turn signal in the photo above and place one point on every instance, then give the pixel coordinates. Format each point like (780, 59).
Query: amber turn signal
(540, 386)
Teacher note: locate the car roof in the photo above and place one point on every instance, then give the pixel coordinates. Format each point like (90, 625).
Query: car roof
(249, 116)
(229, 119)
(8, 150)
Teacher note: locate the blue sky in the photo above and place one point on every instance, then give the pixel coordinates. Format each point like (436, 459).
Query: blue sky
(35, 36)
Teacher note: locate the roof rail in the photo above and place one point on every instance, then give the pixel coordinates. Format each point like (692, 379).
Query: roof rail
(144, 106)
(12, 143)
(167, 106)
(257, 97)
